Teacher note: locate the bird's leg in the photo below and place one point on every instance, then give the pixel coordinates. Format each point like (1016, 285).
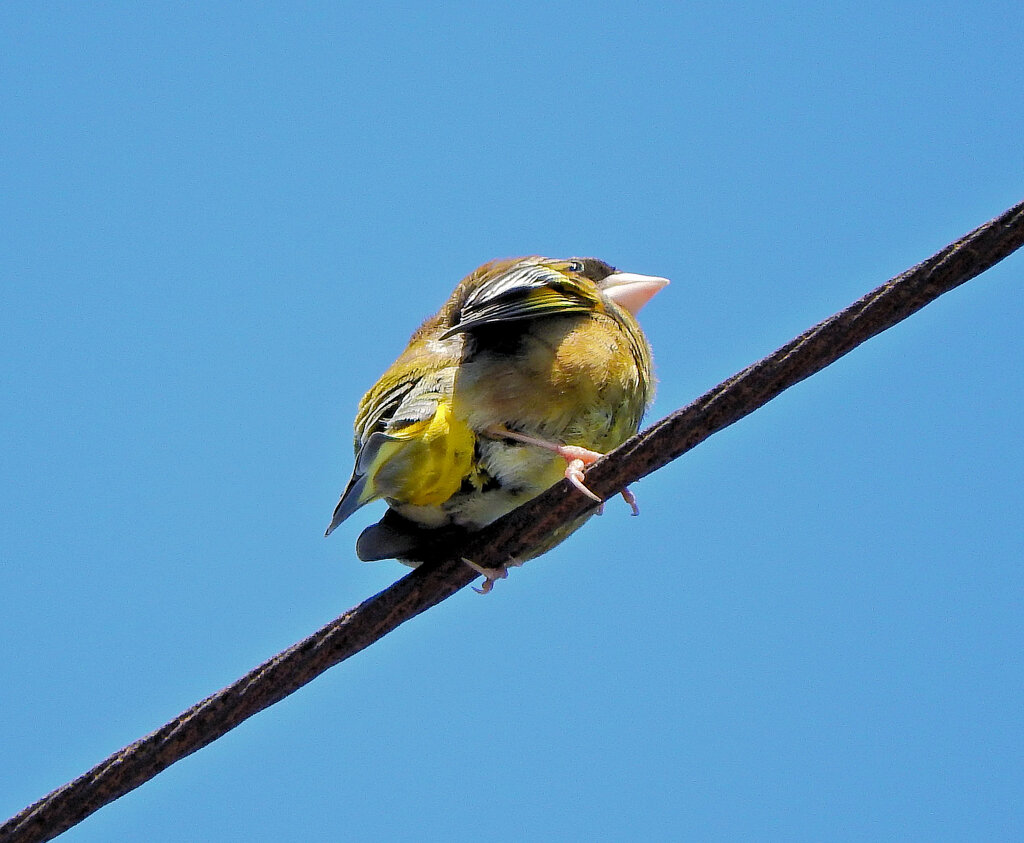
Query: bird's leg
(576, 459)
(491, 575)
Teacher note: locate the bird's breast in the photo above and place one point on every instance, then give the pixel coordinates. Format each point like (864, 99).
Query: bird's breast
(572, 379)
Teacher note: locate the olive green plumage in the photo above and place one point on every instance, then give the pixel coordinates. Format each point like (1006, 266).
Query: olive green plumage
(549, 349)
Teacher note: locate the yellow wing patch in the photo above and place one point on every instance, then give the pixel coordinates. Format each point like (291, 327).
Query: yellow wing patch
(424, 463)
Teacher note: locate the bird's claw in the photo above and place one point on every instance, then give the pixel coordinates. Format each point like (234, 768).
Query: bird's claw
(630, 498)
(574, 474)
(577, 459)
(491, 575)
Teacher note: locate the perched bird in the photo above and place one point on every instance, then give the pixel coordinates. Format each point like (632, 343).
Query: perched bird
(530, 371)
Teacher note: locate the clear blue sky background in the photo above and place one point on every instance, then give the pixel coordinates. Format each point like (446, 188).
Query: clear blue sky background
(220, 222)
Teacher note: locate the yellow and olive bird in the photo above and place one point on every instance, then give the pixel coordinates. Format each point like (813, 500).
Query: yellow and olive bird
(530, 371)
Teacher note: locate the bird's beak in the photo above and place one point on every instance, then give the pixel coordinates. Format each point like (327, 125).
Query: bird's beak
(630, 290)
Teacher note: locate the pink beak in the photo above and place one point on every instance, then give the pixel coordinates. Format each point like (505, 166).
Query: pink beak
(631, 291)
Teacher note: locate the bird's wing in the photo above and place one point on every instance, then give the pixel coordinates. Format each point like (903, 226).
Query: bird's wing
(398, 396)
(524, 292)
(411, 448)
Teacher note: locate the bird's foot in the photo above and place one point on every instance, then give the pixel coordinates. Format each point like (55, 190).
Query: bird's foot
(491, 575)
(630, 498)
(576, 458)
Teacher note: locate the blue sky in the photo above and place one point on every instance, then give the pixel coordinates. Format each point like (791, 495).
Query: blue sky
(221, 222)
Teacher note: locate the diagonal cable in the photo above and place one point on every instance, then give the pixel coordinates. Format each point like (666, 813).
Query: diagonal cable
(443, 573)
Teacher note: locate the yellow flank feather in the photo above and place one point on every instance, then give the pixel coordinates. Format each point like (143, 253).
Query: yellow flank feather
(425, 462)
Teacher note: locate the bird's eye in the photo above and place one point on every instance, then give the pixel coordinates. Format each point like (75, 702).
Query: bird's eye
(575, 266)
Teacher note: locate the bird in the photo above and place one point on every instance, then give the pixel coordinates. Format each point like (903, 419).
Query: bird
(531, 370)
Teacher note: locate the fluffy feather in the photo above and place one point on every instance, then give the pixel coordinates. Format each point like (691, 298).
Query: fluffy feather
(549, 350)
